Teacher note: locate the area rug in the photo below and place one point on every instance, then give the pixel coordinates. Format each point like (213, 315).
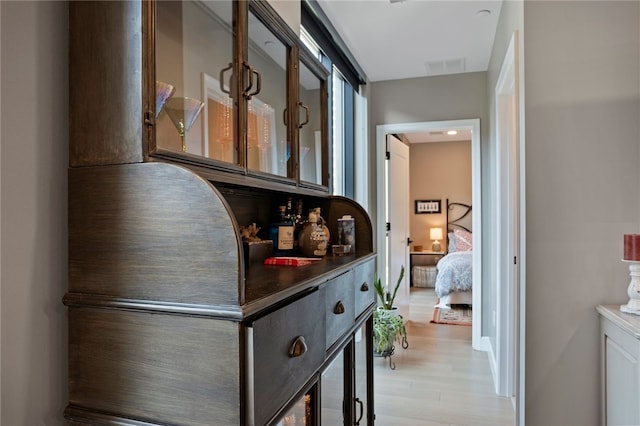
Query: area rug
(457, 315)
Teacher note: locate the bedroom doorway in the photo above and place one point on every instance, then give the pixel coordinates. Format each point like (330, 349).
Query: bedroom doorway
(472, 125)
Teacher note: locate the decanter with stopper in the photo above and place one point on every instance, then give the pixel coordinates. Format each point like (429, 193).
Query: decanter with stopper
(313, 239)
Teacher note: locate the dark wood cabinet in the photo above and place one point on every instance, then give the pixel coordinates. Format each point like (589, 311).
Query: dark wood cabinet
(168, 323)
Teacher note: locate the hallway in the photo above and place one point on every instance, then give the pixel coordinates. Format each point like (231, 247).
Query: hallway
(439, 380)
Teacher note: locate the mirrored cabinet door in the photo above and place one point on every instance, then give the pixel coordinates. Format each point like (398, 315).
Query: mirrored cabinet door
(268, 143)
(311, 125)
(195, 107)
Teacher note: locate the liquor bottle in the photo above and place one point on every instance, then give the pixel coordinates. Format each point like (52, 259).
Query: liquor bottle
(298, 223)
(281, 233)
(285, 231)
(313, 240)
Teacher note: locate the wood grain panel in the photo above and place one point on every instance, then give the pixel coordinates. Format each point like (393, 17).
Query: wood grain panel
(166, 369)
(151, 231)
(105, 90)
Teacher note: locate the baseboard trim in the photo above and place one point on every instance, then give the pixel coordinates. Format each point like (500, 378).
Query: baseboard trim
(485, 344)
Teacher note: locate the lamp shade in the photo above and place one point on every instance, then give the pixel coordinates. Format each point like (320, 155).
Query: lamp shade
(435, 233)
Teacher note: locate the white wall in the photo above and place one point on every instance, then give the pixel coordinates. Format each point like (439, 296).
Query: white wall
(582, 106)
(33, 198)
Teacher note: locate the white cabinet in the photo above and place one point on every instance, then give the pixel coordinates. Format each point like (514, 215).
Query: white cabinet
(620, 369)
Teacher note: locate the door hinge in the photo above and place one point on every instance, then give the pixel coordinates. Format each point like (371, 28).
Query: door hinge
(387, 155)
(148, 119)
(388, 226)
(515, 260)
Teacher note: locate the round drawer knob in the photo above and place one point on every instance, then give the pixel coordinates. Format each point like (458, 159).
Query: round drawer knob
(339, 309)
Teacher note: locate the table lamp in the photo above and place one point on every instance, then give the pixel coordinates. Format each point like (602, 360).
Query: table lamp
(435, 234)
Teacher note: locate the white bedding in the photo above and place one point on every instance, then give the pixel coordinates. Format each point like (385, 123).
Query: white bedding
(454, 278)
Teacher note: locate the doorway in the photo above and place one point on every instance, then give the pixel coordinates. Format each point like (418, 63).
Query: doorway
(472, 125)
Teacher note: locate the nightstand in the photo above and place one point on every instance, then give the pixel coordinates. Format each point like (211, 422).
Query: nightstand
(424, 259)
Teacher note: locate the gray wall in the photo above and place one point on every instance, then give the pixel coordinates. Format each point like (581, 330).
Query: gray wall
(439, 98)
(34, 212)
(582, 91)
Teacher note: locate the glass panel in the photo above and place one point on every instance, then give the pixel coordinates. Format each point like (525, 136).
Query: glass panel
(268, 147)
(361, 393)
(338, 133)
(332, 386)
(194, 43)
(298, 415)
(310, 111)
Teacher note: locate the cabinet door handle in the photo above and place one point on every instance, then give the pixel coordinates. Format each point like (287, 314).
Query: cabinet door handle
(246, 90)
(339, 309)
(284, 118)
(361, 411)
(298, 348)
(222, 71)
(306, 109)
(258, 82)
(364, 286)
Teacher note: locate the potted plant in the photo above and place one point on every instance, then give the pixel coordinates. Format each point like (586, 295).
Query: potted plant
(388, 326)
(386, 298)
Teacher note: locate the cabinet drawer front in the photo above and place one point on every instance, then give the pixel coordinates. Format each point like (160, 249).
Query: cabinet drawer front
(363, 286)
(339, 306)
(168, 369)
(275, 374)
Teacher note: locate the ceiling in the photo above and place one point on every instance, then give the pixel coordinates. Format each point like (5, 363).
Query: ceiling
(398, 39)
(438, 136)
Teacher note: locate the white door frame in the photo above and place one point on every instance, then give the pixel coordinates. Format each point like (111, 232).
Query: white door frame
(476, 177)
(397, 247)
(509, 259)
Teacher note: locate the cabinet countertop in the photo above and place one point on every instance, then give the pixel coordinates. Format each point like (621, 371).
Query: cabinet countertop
(628, 322)
(436, 253)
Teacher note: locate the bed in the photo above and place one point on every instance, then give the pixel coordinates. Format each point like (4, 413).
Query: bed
(454, 271)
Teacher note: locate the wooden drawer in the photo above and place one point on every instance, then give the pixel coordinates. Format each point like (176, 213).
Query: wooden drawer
(363, 286)
(339, 306)
(274, 373)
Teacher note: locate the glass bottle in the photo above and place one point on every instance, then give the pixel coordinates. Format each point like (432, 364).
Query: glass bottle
(323, 224)
(312, 241)
(281, 232)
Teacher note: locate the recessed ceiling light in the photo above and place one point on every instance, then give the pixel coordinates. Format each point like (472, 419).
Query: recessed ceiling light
(452, 132)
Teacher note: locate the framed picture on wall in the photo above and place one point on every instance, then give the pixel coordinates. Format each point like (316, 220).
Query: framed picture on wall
(428, 206)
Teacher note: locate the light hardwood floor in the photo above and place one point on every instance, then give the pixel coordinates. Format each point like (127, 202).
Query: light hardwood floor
(439, 380)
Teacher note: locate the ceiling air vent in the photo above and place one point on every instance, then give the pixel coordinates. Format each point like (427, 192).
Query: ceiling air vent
(447, 66)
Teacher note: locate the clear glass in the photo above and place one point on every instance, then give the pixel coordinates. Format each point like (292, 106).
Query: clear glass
(338, 121)
(268, 146)
(333, 393)
(361, 388)
(299, 414)
(310, 134)
(194, 44)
